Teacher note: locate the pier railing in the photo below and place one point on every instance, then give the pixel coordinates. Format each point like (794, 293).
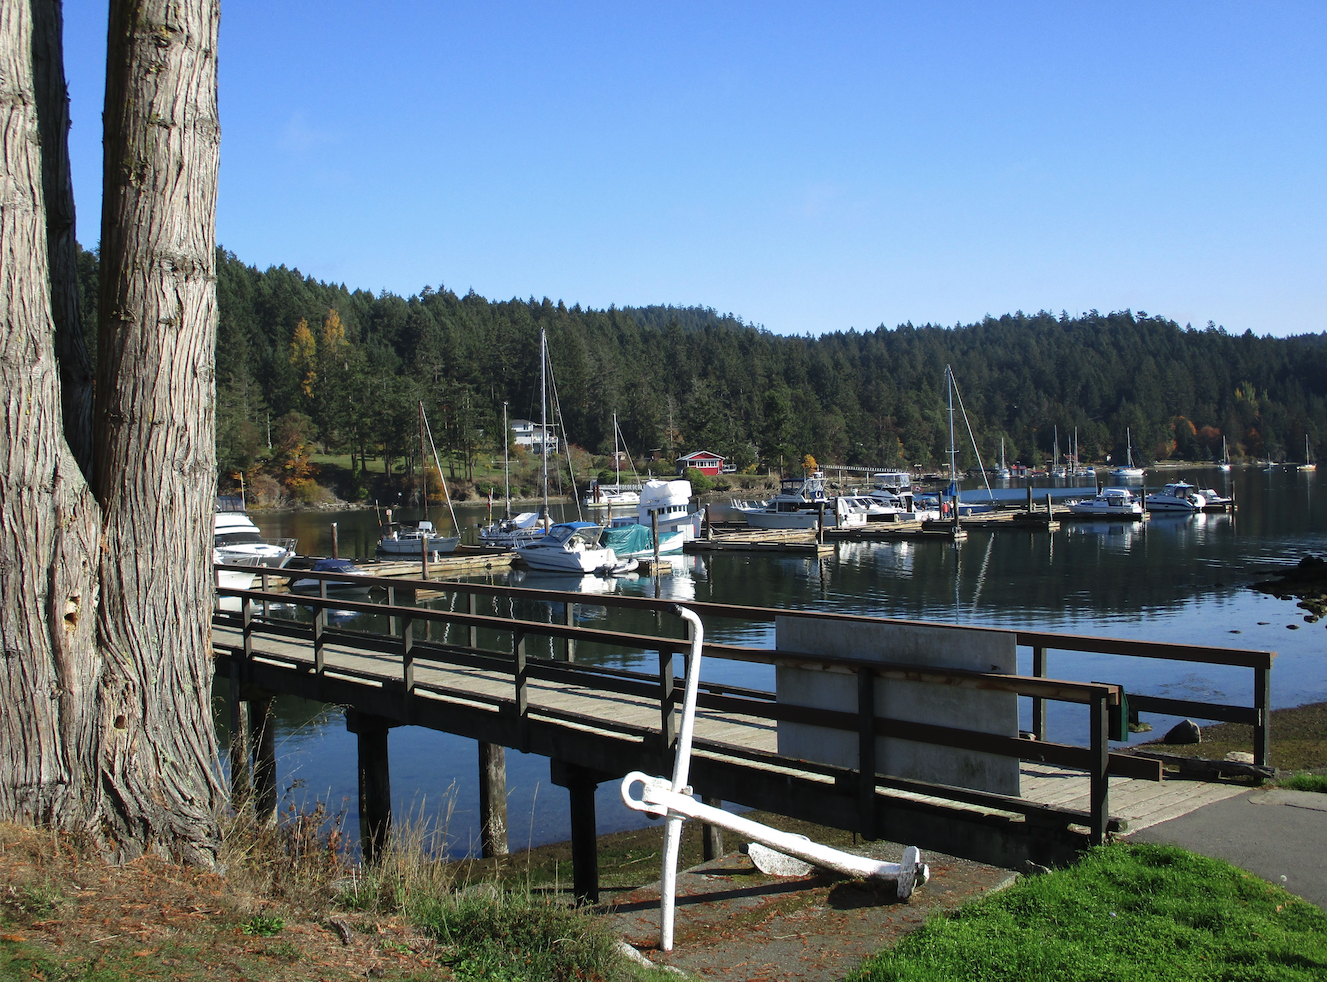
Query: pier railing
(419, 636)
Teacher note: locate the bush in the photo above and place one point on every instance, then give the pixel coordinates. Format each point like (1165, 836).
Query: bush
(700, 483)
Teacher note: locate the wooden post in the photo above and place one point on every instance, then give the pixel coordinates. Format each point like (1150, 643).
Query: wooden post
(584, 836)
(375, 784)
(711, 836)
(1262, 704)
(866, 768)
(709, 524)
(667, 700)
(319, 626)
(654, 534)
(423, 556)
(1099, 793)
(1049, 510)
(820, 522)
(492, 800)
(240, 785)
(262, 730)
(474, 612)
(520, 674)
(1038, 703)
(391, 602)
(1029, 496)
(336, 544)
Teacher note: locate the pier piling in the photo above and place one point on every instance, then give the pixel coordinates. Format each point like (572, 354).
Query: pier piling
(492, 800)
(262, 730)
(375, 784)
(581, 783)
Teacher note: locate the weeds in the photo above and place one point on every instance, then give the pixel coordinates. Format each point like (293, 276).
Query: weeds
(263, 926)
(1306, 782)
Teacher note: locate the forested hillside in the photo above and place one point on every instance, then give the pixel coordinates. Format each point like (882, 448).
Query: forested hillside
(347, 367)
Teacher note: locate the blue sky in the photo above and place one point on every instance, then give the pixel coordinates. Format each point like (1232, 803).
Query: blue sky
(810, 167)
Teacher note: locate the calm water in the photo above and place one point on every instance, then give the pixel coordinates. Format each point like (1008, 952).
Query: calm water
(1172, 579)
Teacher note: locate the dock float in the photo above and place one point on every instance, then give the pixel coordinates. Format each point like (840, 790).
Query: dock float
(464, 560)
(763, 540)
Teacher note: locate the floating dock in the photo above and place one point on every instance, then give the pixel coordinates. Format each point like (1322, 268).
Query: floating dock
(747, 539)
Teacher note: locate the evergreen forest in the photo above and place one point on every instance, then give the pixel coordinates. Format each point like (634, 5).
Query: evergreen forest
(303, 363)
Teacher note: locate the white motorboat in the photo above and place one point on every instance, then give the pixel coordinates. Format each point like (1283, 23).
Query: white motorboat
(1128, 470)
(1178, 497)
(800, 503)
(1216, 501)
(732, 510)
(668, 503)
(1110, 503)
(236, 541)
(408, 538)
(571, 547)
(893, 491)
(341, 587)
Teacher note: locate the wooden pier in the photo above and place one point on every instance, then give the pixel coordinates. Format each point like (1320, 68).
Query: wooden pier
(743, 538)
(492, 671)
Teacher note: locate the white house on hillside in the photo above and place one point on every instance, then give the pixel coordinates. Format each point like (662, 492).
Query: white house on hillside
(527, 434)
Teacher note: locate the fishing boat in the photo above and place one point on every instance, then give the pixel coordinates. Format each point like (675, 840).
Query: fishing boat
(1177, 497)
(1128, 470)
(1110, 503)
(572, 547)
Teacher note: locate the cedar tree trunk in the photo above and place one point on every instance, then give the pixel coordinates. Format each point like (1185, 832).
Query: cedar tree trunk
(110, 732)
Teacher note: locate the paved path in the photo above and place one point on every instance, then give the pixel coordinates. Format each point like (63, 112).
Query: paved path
(1277, 834)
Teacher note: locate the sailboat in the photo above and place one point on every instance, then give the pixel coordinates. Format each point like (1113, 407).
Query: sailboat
(415, 538)
(1128, 470)
(1003, 473)
(1056, 469)
(1308, 464)
(511, 530)
(605, 495)
(1225, 456)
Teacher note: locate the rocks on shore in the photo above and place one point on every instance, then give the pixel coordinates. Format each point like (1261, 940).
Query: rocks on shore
(1185, 731)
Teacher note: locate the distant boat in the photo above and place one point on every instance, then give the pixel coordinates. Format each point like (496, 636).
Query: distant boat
(1002, 474)
(800, 504)
(407, 539)
(1177, 497)
(617, 493)
(1128, 470)
(1110, 503)
(1225, 456)
(1308, 464)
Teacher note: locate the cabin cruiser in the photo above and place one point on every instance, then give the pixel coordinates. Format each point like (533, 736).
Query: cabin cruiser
(669, 504)
(611, 495)
(408, 538)
(800, 504)
(732, 510)
(1215, 500)
(893, 491)
(1177, 497)
(236, 541)
(508, 533)
(1110, 503)
(571, 547)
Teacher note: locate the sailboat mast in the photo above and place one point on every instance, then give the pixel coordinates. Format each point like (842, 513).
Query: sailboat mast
(423, 465)
(617, 461)
(506, 459)
(953, 448)
(543, 417)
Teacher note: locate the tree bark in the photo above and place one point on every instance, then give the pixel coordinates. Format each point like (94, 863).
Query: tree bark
(155, 475)
(51, 723)
(71, 351)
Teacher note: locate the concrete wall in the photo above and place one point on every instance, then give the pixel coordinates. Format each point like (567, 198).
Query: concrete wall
(944, 705)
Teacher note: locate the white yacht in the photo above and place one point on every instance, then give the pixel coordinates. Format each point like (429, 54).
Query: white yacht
(1177, 497)
(670, 503)
(1110, 503)
(893, 491)
(236, 540)
(509, 533)
(799, 504)
(571, 547)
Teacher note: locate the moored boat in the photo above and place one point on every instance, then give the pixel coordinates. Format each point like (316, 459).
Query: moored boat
(1110, 503)
(1128, 471)
(1177, 497)
(408, 538)
(571, 547)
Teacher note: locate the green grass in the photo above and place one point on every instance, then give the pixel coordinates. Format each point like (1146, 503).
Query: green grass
(1126, 913)
(1306, 782)
(518, 937)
